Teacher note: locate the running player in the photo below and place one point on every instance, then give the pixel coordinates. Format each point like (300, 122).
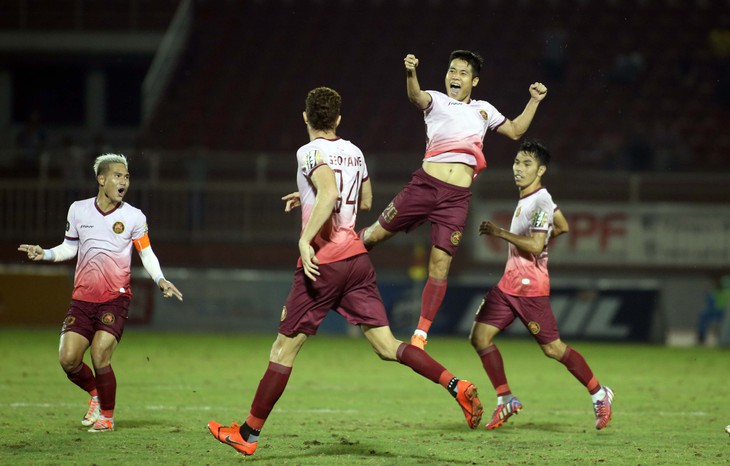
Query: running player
(524, 290)
(439, 190)
(333, 272)
(101, 231)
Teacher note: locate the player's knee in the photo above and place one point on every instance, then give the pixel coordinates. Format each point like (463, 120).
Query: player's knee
(479, 338)
(553, 351)
(100, 357)
(386, 352)
(69, 362)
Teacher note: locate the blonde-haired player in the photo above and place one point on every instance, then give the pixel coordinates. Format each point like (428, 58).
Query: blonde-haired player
(101, 231)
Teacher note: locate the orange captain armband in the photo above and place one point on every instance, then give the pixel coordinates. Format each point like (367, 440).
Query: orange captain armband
(142, 242)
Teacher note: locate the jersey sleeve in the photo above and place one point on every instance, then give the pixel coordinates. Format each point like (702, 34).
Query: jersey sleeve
(140, 227)
(437, 100)
(309, 158)
(542, 216)
(495, 119)
(72, 232)
(365, 174)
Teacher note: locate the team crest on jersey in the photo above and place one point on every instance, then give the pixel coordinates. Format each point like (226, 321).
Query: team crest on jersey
(539, 219)
(483, 114)
(456, 238)
(312, 159)
(533, 327)
(118, 228)
(108, 318)
(68, 322)
(389, 213)
(283, 313)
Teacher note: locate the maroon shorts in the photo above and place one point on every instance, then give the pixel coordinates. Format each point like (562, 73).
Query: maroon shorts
(347, 286)
(500, 309)
(426, 198)
(87, 318)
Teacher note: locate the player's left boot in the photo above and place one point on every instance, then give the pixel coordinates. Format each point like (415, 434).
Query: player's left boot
(232, 436)
(503, 412)
(603, 409)
(92, 414)
(103, 424)
(467, 396)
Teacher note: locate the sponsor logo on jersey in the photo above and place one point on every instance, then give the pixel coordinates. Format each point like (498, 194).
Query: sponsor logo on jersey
(283, 313)
(389, 213)
(312, 159)
(533, 327)
(483, 114)
(108, 318)
(118, 228)
(86, 226)
(517, 212)
(456, 238)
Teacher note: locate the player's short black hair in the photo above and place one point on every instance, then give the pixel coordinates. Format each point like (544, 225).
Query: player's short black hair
(537, 150)
(472, 58)
(322, 107)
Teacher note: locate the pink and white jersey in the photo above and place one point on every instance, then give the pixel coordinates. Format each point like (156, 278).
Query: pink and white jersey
(105, 248)
(455, 130)
(527, 274)
(337, 239)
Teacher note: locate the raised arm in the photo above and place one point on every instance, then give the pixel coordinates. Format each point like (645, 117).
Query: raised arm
(515, 129)
(419, 98)
(323, 179)
(534, 244)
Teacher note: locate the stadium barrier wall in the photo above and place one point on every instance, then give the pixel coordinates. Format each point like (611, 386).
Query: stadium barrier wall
(251, 301)
(606, 308)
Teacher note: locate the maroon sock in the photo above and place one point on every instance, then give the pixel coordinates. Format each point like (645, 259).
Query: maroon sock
(271, 387)
(106, 384)
(579, 368)
(494, 366)
(420, 362)
(83, 377)
(431, 299)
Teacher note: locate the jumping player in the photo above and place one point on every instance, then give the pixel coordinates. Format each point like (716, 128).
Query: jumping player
(333, 272)
(101, 230)
(524, 290)
(439, 191)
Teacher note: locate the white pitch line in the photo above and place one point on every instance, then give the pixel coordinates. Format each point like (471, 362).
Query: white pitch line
(23, 404)
(174, 408)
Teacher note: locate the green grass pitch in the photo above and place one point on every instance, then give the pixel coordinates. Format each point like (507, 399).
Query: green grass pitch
(345, 406)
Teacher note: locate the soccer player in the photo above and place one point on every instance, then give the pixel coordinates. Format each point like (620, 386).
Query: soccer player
(439, 191)
(101, 230)
(524, 290)
(333, 272)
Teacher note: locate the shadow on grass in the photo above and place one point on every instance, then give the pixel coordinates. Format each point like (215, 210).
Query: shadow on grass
(348, 452)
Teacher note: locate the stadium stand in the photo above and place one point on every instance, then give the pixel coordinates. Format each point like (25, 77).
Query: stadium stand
(643, 72)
